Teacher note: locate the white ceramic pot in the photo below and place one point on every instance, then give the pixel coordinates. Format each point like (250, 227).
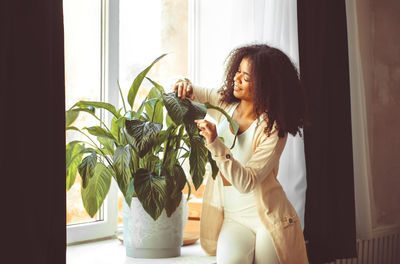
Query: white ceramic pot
(146, 238)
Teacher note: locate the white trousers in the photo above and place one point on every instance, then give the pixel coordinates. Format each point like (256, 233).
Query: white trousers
(243, 238)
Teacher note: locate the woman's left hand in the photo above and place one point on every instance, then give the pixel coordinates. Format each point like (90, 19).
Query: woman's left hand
(208, 130)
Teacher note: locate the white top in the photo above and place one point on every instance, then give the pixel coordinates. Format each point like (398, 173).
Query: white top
(242, 149)
(238, 204)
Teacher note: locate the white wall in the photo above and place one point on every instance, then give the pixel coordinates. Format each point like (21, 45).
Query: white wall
(374, 53)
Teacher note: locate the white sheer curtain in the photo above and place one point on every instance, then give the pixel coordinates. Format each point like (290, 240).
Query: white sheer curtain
(225, 24)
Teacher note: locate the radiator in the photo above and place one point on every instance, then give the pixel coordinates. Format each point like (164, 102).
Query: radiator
(384, 249)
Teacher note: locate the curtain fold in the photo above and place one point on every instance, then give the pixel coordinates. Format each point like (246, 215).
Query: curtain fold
(280, 30)
(32, 109)
(330, 209)
(224, 25)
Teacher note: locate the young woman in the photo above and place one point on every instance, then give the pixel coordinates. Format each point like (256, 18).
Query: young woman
(246, 216)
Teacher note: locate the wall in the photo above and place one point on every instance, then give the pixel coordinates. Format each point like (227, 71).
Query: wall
(174, 38)
(379, 44)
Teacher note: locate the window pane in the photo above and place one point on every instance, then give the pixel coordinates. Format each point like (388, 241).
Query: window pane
(82, 29)
(147, 30)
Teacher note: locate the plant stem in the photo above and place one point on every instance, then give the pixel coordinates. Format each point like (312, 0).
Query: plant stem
(183, 161)
(166, 150)
(95, 145)
(122, 97)
(154, 111)
(184, 149)
(189, 189)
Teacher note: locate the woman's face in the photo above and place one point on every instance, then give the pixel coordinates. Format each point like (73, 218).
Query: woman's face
(242, 89)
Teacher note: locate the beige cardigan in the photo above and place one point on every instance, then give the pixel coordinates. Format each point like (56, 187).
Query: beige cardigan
(275, 211)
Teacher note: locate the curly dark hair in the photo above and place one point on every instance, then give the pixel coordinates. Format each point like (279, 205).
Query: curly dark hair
(277, 88)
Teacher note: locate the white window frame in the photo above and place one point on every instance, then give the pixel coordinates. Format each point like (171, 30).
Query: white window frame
(109, 93)
(193, 39)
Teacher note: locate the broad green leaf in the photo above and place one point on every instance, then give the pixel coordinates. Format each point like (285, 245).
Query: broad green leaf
(130, 192)
(121, 121)
(179, 177)
(214, 167)
(169, 121)
(154, 106)
(129, 140)
(162, 136)
(184, 110)
(196, 111)
(150, 106)
(121, 161)
(170, 155)
(154, 93)
(174, 135)
(72, 128)
(73, 158)
(80, 153)
(144, 134)
(115, 129)
(158, 148)
(139, 112)
(89, 151)
(108, 145)
(156, 85)
(95, 192)
(175, 182)
(102, 105)
(150, 162)
(176, 107)
(68, 149)
(70, 117)
(150, 102)
(134, 162)
(197, 159)
(150, 190)
(99, 132)
(86, 168)
(191, 128)
(138, 81)
(177, 141)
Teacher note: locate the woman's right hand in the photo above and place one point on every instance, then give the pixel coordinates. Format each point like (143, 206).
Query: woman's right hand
(184, 89)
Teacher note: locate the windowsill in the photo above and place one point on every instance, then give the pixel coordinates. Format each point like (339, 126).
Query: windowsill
(112, 251)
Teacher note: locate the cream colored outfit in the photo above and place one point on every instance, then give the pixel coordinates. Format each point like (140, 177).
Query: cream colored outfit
(258, 175)
(243, 238)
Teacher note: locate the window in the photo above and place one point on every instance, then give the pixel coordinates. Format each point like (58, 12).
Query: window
(90, 62)
(163, 29)
(109, 41)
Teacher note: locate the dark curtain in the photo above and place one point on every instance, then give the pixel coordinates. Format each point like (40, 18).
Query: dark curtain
(330, 229)
(32, 133)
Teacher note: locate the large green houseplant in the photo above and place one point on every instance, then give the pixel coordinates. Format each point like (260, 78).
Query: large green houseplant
(142, 150)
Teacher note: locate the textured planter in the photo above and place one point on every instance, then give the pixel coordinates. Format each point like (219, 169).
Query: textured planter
(146, 238)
